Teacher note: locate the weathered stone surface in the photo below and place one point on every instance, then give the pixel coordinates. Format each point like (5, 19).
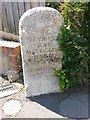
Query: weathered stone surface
(38, 29)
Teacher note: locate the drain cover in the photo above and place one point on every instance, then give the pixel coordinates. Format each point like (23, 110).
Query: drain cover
(12, 107)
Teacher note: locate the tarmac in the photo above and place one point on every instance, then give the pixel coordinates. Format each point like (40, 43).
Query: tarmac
(71, 105)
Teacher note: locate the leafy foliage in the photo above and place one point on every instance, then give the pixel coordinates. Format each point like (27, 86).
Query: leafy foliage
(52, 4)
(74, 41)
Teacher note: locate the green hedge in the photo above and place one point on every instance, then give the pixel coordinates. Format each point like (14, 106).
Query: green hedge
(74, 41)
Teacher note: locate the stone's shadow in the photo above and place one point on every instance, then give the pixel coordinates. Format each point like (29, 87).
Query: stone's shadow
(71, 105)
(51, 101)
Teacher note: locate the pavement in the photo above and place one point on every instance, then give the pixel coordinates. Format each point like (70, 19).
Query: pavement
(72, 105)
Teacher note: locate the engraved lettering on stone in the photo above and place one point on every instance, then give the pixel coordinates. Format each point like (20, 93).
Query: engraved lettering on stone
(38, 30)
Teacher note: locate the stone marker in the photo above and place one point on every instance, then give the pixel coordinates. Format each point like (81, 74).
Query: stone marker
(38, 30)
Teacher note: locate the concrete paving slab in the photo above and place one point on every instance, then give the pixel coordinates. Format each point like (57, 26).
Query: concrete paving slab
(51, 101)
(74, 105)
(34, 110)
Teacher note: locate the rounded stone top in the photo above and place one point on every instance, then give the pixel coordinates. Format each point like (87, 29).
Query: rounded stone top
(36, 10)
(41, 11)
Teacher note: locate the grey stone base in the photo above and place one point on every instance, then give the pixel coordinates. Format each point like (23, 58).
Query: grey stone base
(40, 85)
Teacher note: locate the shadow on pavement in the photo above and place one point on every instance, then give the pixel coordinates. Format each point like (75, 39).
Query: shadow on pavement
(71, 105)
(51, 101)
